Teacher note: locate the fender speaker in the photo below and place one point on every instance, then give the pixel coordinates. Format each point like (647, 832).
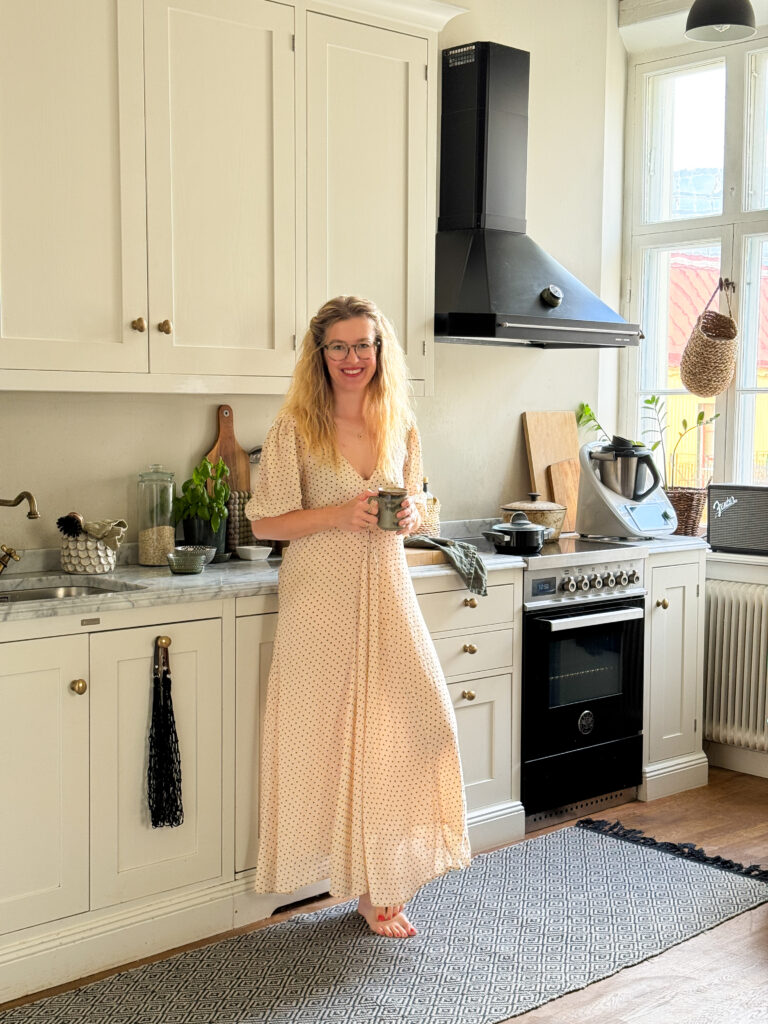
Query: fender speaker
(737, 518)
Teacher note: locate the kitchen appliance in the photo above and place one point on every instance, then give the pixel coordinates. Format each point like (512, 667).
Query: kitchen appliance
(494, 284)
(737, 518)
(620, 493)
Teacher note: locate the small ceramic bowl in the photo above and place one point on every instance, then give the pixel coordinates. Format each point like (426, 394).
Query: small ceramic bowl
(198, 549)
(253, 551)
(184, 563)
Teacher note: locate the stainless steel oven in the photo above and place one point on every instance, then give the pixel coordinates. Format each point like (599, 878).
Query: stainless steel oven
(582, 680)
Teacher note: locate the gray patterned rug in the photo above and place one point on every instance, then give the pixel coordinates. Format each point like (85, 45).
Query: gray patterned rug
(519, 927)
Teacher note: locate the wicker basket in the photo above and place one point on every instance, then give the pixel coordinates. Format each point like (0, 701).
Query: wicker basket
(430, 526)
(709, 358)
(688, 503)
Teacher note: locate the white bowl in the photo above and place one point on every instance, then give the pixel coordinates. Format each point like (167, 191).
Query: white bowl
(252, 551)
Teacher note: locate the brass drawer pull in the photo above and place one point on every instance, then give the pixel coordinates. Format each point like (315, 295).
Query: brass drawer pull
(163, 641)
(139, 324)
(468, 694)
(470, 602)
(469, 649)
(662, 603)
(165, 327)
(79, 686)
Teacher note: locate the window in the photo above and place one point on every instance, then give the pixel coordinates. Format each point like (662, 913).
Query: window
(699, 184)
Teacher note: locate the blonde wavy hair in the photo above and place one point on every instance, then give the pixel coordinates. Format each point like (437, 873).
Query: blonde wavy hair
(387, 406)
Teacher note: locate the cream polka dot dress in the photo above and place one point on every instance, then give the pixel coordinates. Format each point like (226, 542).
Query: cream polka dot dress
(360, 775)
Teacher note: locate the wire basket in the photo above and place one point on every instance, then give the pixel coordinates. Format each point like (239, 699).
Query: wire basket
(688, 503)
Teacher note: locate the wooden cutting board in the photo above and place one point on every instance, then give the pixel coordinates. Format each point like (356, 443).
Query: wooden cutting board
(550, 437)
(564, 484)
(423, 556)
(234, 456)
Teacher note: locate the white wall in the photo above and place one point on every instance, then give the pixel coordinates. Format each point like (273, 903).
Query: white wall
(83, 452)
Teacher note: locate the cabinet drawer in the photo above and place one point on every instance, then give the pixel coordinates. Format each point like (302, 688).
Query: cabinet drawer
(475, 652)
(459, 609)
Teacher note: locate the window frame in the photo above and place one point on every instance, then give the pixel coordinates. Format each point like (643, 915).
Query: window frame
(731, 226)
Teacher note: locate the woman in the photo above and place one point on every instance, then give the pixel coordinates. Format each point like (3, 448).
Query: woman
(360, 777)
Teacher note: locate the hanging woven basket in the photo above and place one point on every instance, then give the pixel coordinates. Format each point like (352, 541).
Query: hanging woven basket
(709, 358)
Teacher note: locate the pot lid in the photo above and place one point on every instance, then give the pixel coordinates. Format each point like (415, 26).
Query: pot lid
(533, 505)
(520, 523)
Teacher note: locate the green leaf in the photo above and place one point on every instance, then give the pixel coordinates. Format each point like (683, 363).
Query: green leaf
(685, 425)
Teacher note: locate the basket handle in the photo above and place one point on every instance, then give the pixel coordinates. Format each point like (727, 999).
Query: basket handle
(727, 286)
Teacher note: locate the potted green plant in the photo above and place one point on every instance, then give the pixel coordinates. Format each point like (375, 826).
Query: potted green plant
(201, 507)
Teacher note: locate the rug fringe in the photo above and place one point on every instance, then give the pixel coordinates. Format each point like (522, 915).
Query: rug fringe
(685, 850)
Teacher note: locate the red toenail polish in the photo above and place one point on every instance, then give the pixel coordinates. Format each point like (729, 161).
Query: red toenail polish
(381, 917)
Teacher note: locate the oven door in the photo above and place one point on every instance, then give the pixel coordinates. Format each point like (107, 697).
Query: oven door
(582, 676)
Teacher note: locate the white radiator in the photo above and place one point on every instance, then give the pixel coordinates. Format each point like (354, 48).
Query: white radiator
(736, 664)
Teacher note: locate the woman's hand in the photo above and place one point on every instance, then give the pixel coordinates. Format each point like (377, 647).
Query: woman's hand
(409, 517)
(358, 514)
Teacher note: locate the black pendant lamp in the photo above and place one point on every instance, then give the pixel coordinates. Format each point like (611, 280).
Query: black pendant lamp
(720, 21)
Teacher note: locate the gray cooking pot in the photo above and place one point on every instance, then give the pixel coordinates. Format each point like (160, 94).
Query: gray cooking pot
(519, 536)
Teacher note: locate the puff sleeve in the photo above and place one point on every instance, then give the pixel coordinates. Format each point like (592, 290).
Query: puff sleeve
(413, 472)
(278, 482)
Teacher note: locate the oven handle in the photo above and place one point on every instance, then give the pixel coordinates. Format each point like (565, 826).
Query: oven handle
(597, 619)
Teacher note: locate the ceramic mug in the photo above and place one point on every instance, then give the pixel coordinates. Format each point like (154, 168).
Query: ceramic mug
(390, 502)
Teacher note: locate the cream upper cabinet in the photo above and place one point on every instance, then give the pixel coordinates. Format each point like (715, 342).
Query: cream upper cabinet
(43, 780)
(73, 251)
(220, 186)
(368, 229)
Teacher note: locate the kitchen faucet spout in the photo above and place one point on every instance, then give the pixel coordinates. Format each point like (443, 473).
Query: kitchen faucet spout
(12, 502)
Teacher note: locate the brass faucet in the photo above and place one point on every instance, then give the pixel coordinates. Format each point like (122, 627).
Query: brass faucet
(13, 502)
(9, 553)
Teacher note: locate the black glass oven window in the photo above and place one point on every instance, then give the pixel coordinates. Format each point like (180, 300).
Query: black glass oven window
(584, 666)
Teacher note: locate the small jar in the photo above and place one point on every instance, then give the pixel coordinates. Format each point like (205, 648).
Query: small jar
(157, 534)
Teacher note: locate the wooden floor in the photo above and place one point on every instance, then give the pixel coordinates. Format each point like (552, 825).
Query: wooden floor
(720, 977)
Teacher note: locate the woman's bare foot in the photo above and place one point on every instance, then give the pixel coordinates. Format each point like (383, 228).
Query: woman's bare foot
(390, 921)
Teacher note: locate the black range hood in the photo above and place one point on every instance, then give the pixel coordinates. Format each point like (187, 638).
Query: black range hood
(493, 284)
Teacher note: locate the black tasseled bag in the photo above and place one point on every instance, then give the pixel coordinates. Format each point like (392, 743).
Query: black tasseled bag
(164, 769)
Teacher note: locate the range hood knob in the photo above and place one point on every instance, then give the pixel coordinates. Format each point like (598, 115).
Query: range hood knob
(552, 295)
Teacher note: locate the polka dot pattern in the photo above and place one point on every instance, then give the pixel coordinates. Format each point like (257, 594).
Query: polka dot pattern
(360, 774)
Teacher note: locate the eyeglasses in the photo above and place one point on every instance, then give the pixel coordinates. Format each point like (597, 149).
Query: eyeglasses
(338, 350)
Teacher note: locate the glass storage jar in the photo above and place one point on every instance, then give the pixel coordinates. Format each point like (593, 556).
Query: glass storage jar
(155, 516)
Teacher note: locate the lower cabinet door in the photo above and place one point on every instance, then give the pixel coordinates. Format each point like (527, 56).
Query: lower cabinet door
(255, 639)
(483, 710)
(43, 780)
(130, 858)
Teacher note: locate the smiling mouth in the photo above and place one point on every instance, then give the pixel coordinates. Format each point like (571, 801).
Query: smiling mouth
(353, 373)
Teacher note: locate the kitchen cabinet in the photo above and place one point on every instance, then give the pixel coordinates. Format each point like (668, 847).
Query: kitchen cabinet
(189, 267)
(673, 758)
(255, 638)
(184, 183)
(129, 858)
(43, 780)
(368, 228)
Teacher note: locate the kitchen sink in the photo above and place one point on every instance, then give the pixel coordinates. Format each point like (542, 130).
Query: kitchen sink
(60, 592)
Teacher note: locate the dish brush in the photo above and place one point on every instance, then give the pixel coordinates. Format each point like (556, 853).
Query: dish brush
(71, 525)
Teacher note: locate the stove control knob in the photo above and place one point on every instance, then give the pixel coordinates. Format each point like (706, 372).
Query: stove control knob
(569, 584)
(596, 581)
(623, 579)
(609, 580)
(582, 582)
(634, 576)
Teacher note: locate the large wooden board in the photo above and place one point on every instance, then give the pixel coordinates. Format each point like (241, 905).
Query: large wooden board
(549, 437)
(227, 447)
(564, 483)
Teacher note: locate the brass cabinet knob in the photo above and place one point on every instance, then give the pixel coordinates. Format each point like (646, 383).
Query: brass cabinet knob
(469, 649)
(470, 602)
(468, 694)
(165, 327)
(163, 641)
(662, 603)
(79, 686)
(139, 324)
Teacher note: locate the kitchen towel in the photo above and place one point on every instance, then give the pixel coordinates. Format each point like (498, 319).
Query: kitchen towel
(462, 556)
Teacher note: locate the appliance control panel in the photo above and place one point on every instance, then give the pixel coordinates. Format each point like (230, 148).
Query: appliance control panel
(591, 581)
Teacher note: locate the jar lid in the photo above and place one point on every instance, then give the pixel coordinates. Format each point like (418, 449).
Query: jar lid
(156, 472)
(533, 505)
